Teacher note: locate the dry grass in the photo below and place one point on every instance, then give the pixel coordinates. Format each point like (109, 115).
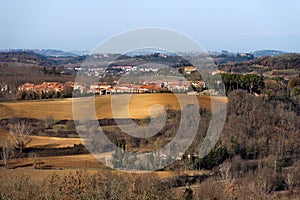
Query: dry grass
(45, 141)
(88, 164)
(3, 135)
(52, 142)
(62, 108)
(59, 109)
(38, 175)
(65, 162)
(139, 107)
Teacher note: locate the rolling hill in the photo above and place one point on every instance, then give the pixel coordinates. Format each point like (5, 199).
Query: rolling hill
(262, 53)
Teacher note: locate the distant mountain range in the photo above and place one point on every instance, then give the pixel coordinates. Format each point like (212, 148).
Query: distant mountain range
(49, 52)
(272, 53)
(59, 58)
(60, 53)
(54, 53)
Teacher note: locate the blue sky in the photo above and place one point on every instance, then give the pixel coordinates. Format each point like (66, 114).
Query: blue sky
(234, 25)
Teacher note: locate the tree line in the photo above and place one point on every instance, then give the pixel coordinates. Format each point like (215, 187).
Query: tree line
(248, 82)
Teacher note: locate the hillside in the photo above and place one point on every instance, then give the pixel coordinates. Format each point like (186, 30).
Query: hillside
(285, 61)
(20, 66)
(26, 57)
(262, 53)
(263, 64)
(42, 58)
(54, 53)
(227, 57)
(15, 74)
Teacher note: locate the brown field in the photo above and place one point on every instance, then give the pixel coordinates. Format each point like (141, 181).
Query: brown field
(41, 175)
(45, 141)
(139, 106)
(59, 162)
(52, 142)
(63, 165)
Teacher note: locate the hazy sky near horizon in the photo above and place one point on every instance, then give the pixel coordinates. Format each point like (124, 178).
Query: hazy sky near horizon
(234, 25)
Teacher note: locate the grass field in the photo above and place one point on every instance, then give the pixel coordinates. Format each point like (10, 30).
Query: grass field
(139, 106)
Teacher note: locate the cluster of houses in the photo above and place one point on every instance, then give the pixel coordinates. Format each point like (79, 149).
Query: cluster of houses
(152, 87)
(105, 89)
(45, 87)
(145, 87)
(149, 86)
(116, 70)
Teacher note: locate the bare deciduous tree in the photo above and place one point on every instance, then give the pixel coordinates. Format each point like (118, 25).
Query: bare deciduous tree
(259, 188)
(225, 173)
(19, 132)
(36, 161)
(290, 180)
(7, 152)
(49, 122)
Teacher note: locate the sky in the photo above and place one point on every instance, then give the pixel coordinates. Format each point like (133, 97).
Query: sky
(233, 25)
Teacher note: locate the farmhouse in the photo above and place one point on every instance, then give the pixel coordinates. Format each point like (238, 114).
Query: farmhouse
(3, 87)
(189, 69)
(125, 88)
(100, 89)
